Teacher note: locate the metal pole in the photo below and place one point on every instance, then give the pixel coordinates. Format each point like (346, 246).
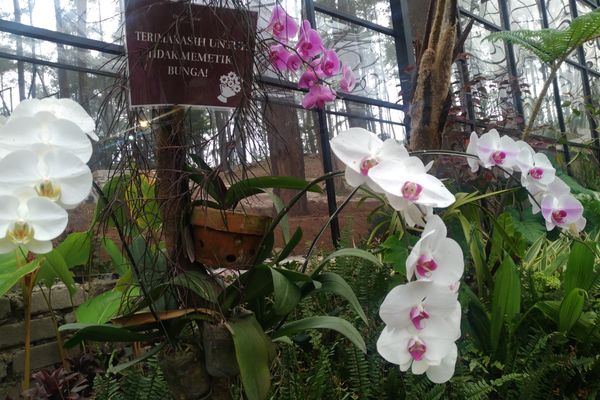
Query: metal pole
(309, 8)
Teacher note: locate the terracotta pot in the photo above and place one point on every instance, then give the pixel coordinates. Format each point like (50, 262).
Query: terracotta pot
(226, 239)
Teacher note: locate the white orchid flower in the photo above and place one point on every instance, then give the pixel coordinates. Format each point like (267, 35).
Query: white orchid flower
(472, 149)
(435, 257)
(536, 168)
(61, 109)
(495, 150)
(44, 132)
(421, 304)
(413, 214)
(409, 181)
(427, 352)
(361, 150)
(560, 208)
(57, 175)
(29, 222)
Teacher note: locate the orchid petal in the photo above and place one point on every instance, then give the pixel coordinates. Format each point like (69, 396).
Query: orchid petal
(354, 145)
(9, 208)
(445, 370)
(39, 246)
(392, 345)
(73, 176)
(19, 168)
(47, 218)
(6, 246)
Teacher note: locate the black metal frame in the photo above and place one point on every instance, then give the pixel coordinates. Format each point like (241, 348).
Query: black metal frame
(580, 65)
(400, 33)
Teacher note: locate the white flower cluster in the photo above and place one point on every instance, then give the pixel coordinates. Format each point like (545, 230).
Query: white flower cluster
(547, 192)
(423, 316)
(44, 149)
(232, 81)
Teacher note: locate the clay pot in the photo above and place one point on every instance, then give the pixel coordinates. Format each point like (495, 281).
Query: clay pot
(226, 239)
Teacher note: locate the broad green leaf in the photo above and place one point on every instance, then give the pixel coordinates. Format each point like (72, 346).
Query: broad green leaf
(286, 294)
(252, 186)
(348, 252)
(571, 309)
(580, 267)
(55, 266)
(253, 351)
(290, 245)
(9, 279)
(104, 333)
(323, 322)
(476, 249)
(76, 249)
(120, 263)
(198, 283)
(100, 309)
(8, 262)
(506, 299)
(333, 283)
(284, 223)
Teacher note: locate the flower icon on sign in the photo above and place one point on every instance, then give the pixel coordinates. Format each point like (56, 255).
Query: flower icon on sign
(230, 86)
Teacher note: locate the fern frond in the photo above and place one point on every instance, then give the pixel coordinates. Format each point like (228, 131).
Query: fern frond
(551, 45)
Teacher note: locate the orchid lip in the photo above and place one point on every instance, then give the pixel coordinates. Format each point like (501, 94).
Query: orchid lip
(21, 233)
(411, 191)
(48, 189)
(498, 157)
(416, 349)
(366, 164)
(559, 216)
(425, 266)
(536, 173)
(417, 315)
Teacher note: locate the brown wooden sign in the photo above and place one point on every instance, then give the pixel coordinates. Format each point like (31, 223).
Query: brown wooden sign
(188, 54)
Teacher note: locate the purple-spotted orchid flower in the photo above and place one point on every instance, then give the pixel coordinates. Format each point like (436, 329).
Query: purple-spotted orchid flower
(282, 26)
(407, 179)
(494, 150)
(428, 351)
(309, 43)
(435, 257)
(536, 168)
(560, 208)
(420, 304)
(318, 96)
(362, 150)
(29, 222)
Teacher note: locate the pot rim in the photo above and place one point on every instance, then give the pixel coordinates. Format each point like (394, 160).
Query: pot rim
(230, 221)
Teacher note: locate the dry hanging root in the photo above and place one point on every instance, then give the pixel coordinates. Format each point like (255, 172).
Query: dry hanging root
(434, 75)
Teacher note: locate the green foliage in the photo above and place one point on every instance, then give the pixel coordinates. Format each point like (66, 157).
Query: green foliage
(551, 45)
(144, 382)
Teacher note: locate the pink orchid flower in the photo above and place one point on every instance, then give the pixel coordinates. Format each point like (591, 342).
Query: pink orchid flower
(330, 63)
(348, 80)
(282, 25)
(310, 43)
(279, 56)
(308, 79)
(318, 96)
(294, 62)
(495, 150)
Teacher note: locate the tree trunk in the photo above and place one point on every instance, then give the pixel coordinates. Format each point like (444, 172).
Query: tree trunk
(81, 24)
(285, 146)
(63, 82)
(20, 64)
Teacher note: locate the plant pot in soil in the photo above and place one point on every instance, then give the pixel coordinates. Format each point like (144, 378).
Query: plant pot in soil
(227, 239)
(185, 373)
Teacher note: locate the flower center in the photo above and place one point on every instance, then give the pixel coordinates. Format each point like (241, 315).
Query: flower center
(418, 314)
(277, 27)
(366, 164)
(416, 349)
(498, 157)
(20, 233)
(559, 216)
(48, 189)
(425, 265)
(411, 191)
(536, 173)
